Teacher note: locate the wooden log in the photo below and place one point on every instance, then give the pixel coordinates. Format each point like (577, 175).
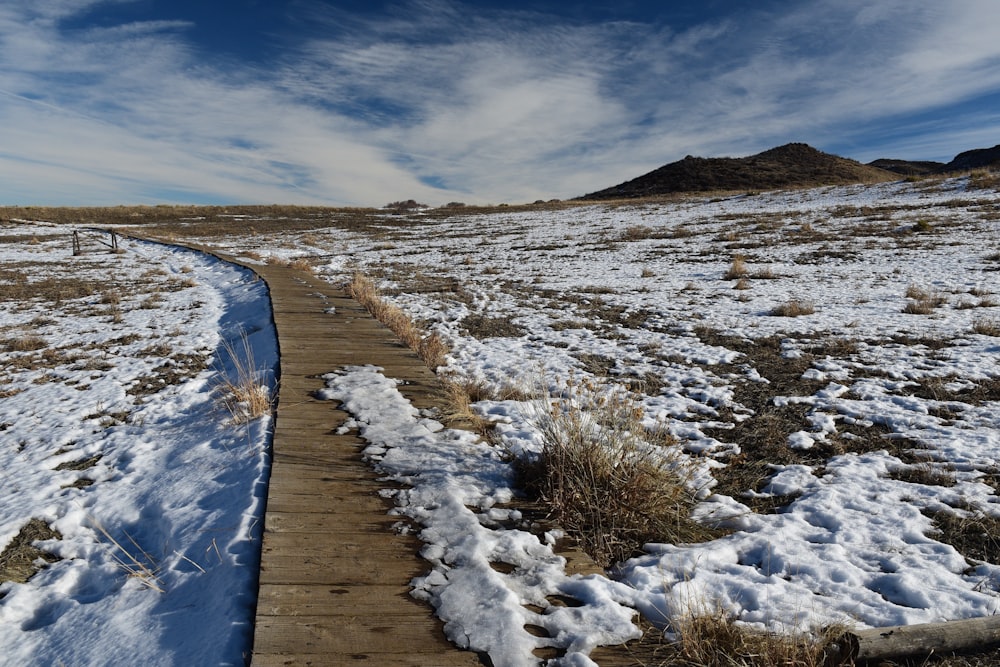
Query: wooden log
(967, 635)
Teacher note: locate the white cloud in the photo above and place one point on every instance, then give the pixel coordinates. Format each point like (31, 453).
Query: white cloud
(501, 106)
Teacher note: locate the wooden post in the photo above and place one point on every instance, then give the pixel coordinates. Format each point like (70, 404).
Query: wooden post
(899, 641)
(114, 241)
(76, 243)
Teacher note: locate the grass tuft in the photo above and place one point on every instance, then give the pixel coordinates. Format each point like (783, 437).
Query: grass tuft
(793, 308)
(986, 327)
(922, 302)
(430, 347)
(301, 264)
(243, 394)
(738, 269)
(714, 640)
(25, 343)
(613, 484)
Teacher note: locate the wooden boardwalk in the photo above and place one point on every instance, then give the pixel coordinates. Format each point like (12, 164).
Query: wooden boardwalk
(334, 576)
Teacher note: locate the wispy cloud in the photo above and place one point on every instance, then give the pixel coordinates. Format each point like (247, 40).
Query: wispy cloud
(437, 101)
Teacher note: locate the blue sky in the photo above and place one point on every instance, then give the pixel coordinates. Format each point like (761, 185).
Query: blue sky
(360, 102)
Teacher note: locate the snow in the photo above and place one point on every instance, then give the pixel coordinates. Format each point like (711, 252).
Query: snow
(853, 547)
(455, 481)
(628, 296)
(174, 483)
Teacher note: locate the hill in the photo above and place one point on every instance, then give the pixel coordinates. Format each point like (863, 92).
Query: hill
(977, 158)
(908, 167)
(791, 165)
(974, 159)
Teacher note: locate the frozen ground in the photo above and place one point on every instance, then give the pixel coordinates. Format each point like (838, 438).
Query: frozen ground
(114, 441)
(855, 449)
(840, 404)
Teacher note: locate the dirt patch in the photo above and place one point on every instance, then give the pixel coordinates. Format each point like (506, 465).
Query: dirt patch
(80, 464)
(19, 560)
(763, 437)
(481, 326)
(974, 535)
(175, 370)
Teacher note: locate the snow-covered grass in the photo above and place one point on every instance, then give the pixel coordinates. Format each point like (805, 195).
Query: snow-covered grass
(114, 442)
(846, 451)
(836, 433)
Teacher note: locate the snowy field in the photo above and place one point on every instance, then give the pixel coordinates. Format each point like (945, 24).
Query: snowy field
(143, 492)
(869, 424)
(827, 361)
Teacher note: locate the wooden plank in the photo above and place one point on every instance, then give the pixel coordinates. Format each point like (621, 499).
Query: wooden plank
(309, 504)
(320, 569)
(361, 659)
(324, 522)
(354, 599)
(387, 636)
(345, 544)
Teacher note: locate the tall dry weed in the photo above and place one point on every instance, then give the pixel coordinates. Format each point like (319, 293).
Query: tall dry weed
(430, 347)
(738, 269)
(243, 392)
(611, 482)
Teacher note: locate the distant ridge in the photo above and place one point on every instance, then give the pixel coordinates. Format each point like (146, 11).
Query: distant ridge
(977, 158)
(791, 165)
(908, 167)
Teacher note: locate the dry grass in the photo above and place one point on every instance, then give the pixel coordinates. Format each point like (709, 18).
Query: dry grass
(714, 640)
(457, 398)
(738, 268)
(135, 561)
(922, 302)
(986, 327)
(767, 273)
(430, 347)
(21, 559)
(456, 402)
(984, 179)
(925, 472)
(300, 264)
(242, 392)
(918, 308)
(973, 534)
(24, 343)
(793, 308)
(610, 482)
(151, 302)
(481, 326)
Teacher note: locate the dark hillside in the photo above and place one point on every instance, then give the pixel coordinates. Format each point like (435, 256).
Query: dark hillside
(791, 165)
(974, 159)
(908, 167)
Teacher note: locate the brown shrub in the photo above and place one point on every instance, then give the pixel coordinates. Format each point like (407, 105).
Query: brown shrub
(738, 269)
(793, 308)
(613, 484)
